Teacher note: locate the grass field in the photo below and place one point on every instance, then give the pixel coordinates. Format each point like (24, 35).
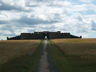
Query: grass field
(74, 55)
(19, 56)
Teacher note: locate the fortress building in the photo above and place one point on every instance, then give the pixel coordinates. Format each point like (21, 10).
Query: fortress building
(43, 35)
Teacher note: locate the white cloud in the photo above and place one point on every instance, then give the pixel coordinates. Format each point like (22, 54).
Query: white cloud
(10, 15)
(88, 1)
(20, 3)
(3, 37)
(39, 15)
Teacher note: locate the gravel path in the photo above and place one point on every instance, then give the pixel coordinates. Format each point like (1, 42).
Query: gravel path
(46, 63)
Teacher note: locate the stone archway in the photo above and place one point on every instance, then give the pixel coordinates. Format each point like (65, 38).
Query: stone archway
(46, 35)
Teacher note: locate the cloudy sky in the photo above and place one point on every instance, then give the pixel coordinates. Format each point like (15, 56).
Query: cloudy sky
(75, 16)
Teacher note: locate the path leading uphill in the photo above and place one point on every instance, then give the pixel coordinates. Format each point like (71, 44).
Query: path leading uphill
(46, 63)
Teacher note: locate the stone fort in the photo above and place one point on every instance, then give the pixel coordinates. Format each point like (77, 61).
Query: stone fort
(43, 35)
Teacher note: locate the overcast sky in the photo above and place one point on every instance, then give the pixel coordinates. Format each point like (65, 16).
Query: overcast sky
(75, 16)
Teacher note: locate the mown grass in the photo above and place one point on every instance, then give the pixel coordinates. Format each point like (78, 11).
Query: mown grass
(22, 56)
(74, 55)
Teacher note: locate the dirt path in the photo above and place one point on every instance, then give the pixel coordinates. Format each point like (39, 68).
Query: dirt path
(44, 65)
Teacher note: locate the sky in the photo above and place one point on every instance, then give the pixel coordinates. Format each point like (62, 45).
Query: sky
(75, 16)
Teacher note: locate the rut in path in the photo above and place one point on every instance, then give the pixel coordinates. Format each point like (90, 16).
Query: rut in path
(44, 65)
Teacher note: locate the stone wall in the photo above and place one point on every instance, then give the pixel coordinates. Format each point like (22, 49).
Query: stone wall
(41, 35)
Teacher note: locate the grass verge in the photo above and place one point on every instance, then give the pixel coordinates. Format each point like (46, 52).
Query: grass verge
(71, 63)
(58, 57)
(26, 63)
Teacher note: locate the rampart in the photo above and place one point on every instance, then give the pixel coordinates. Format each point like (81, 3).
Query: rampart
(43, 35)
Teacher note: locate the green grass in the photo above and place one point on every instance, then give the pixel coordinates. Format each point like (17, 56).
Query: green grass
(58, 57)
(26, 63)
(71, 63)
